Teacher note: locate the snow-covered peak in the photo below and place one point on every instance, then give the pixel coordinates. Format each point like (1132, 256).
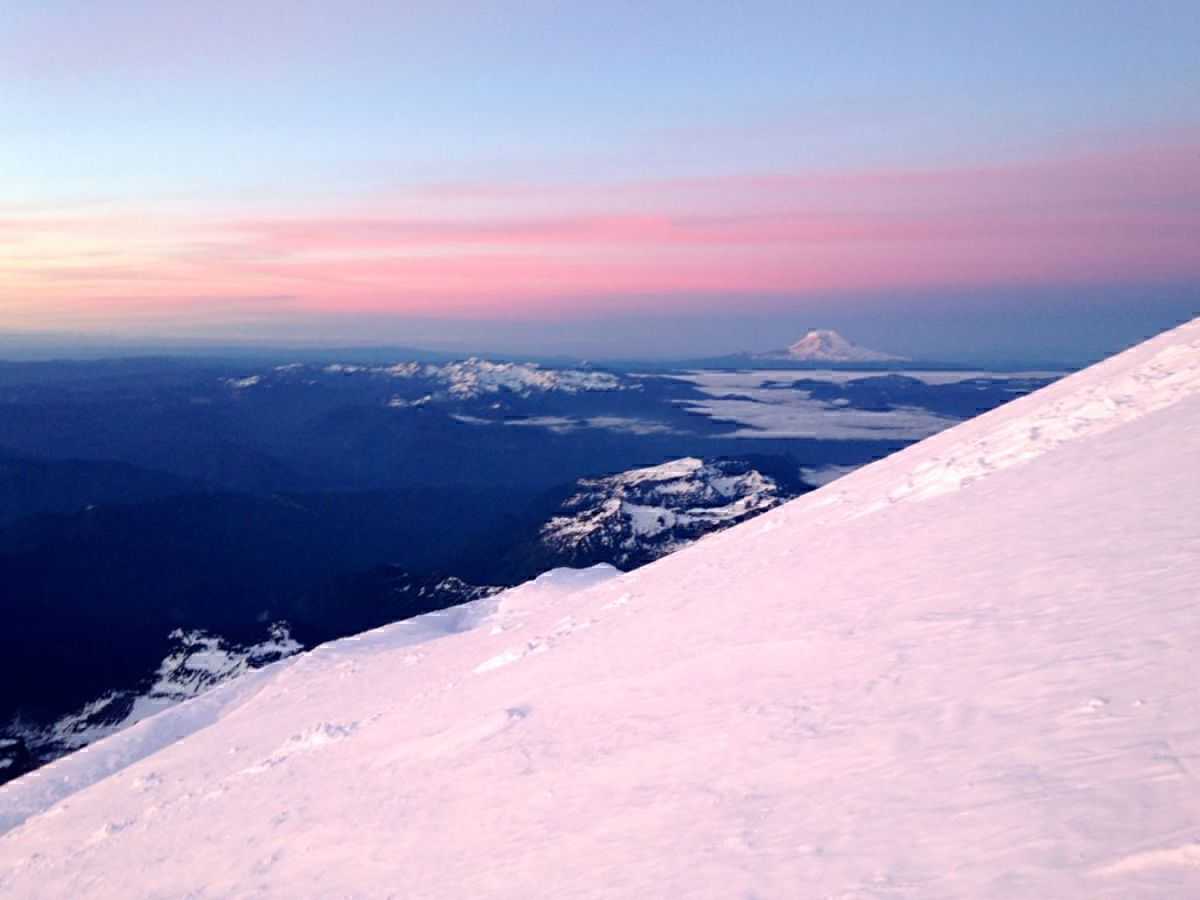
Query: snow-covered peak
(823, 345)
(633, 517)
(474, 377)
(967, 670)
(674, 470)
(471, 378)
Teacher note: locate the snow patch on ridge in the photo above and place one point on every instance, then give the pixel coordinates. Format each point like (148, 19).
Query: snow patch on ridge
(646, 513)
(468, 379)
(241, 384)
(473, 378)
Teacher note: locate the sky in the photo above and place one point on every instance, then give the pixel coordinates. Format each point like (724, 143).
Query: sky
(612, 179)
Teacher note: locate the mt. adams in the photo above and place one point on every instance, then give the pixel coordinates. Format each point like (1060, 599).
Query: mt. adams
(967, 670)
(824, 346)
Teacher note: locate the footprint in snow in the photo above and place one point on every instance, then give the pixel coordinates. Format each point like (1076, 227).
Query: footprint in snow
(493, 725)
(623, 600)
(306, 741)
(147, 782)
(510, 656)
(108, 829)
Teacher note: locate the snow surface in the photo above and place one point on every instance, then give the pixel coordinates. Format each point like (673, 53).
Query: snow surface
(197, 662)
(967, 670)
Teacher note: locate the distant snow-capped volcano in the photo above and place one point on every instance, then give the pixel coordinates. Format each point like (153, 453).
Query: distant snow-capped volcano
(823, 345)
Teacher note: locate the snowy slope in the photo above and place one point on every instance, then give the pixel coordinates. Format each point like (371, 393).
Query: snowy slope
(197, 661)
(968, 670)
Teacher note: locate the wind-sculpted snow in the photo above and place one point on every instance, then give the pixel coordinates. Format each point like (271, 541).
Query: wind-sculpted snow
(1135, 384)
(41, 790)
(200, 659)
(1166, 378)
(987, 691)
(197, 664)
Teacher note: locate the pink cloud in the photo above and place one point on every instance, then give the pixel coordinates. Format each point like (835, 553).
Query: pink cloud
(1129, 215)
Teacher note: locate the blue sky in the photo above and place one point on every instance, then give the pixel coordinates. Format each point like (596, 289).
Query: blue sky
(169, 168)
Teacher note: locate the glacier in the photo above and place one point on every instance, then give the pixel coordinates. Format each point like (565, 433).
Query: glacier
(967, 670)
